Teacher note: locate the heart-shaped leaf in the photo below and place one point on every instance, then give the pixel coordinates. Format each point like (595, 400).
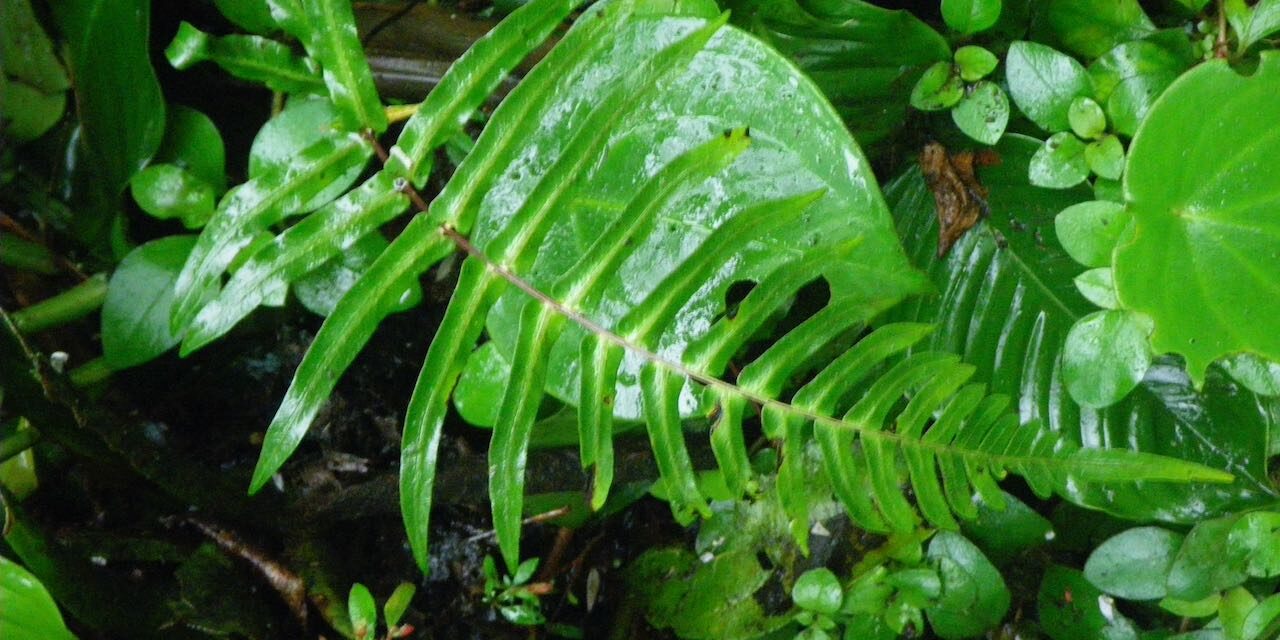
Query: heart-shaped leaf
(1203, 195)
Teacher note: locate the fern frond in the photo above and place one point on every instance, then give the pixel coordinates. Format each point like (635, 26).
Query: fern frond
(606, 210)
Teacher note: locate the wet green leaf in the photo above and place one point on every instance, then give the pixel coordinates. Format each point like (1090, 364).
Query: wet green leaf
(702, 600)
(333, 41)
(1098, 286)
(1233, 609)
(193, 142)
(1105, 157)
(1044, 82)
(135, 316)
(1252, 24)
(1091, 27)
(252, 58)
(975, 62)
(1060, 163)
(363, 611)
(1086, 118)
(974, 597)
(818, 590)
(26, 111)
(970, 16)
(1105, 357)
(1088, 231)
(938, 88)
(1206, 563)
(1197, 609)
(1007, 300)
(1130, 77)
(1258, 533)
(983, 113)
(865, 58)
(1263, 620)
(167, 191)
(1206, 186)
(302, 123)
(27, 611)
(1134, 564)
(1258, 375)
(117, 96)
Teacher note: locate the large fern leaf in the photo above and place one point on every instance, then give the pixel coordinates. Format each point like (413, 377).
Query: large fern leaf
(1006, 303)
(610, 203)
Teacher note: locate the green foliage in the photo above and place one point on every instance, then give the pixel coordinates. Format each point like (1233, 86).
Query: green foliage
(1223, 225)
(512, 595)
(660, 161)
(27, 612)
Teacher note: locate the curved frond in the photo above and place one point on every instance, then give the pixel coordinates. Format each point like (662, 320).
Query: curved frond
(1006, 303)
(649, 163)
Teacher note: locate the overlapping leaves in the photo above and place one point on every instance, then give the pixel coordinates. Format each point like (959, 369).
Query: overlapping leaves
(1006, 303)
(611, 202)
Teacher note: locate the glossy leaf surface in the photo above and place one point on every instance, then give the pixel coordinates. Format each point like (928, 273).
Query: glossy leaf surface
(27, 611)
(974, 597)
(1203, 194)
(1006, 301)
(117, 96)
(1130, 77)
(970, 16)
(1105, 356)
(1044, 82)
(1134, 564)
(1060, 163)
(333, 41)
(252, 58)
(135, 316)
(983, 113)
(1091, 27)
(192, 141)
(864, 58)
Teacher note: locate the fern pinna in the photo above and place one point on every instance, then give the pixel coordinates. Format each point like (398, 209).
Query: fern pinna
(610, 203)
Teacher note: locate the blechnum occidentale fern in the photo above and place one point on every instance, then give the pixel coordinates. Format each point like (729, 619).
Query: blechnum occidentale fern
(611, 201)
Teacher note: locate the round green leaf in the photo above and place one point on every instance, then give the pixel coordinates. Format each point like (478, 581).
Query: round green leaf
(1105, 357)
(27, 611)
(818, 590)
(974, 597)
(1202, 191)
(1091, 27)
(135, 315)
(1194, 609)
(970, 16)
(1256, 534)
(1089, 231)
(975, 62)
(1043, 82)
(1134, 564)
(1256, 374)
(938, 88)
(167, 191)
(1105, 157)
(193, 142)
(28, 112)
(983, 113)
(1104, 189)
(1086, 118)
(1060, 163)
(1098, 287)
